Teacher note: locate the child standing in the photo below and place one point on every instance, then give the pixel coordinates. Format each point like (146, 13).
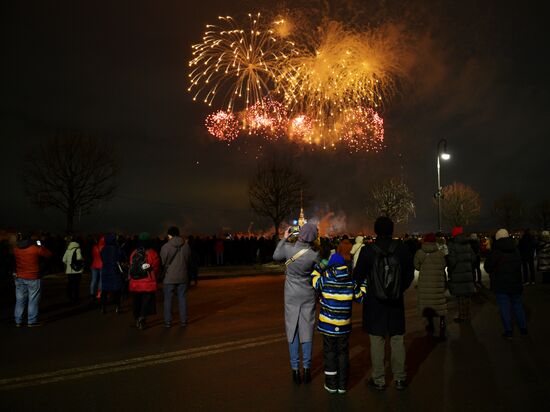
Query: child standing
(337, 291)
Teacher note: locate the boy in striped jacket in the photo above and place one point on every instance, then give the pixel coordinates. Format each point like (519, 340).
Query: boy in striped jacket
(337, 291)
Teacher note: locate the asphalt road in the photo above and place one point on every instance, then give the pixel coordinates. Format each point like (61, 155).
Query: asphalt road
(233, 356)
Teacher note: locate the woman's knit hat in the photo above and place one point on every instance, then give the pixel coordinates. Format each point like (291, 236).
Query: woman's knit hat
(501, 234)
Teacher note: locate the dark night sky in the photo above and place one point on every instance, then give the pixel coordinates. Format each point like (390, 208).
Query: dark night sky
(117, 70)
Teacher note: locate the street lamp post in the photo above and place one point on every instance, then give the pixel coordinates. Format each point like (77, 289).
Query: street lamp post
(443, 154)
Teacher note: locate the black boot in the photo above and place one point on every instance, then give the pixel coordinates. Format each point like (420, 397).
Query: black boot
(296, 378)
(307, 375)
(331, 383)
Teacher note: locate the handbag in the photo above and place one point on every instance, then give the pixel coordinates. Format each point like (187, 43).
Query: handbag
(162, 273)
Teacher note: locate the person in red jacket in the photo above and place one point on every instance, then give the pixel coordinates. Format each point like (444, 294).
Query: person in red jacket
(143, 273)
(27, 279)
(95, 267)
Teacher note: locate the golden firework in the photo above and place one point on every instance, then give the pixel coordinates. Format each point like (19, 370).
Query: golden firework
(240, 65)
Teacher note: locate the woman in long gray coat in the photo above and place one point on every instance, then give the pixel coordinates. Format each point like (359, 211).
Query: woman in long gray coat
(299, 297)
(429, 260)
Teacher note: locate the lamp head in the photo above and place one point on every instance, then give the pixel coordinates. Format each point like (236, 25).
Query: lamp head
(445, 156)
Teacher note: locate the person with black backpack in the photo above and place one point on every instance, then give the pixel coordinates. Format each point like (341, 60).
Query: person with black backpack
(142, 275)
(388, 270)
(74, 266)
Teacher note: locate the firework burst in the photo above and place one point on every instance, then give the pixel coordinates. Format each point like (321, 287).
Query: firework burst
(267, 118)
(223, 125)
(361, 129)
(238, 64)
(300, 128)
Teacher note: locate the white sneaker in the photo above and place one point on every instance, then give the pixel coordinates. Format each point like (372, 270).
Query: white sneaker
(342, 391)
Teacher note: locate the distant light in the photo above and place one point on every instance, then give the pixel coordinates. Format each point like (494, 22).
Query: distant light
(445, 156)
(295, 222)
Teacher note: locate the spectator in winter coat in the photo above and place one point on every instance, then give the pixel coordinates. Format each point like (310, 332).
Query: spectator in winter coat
(27, 279)
(174, 255)
(299, 296)
(74, 266)
(382, 318)
(143, 272)
(95, 267)
(430, 262)
(504, 267)
(357, 246)
(527, 246)
(338, 291)
(460, 260)
(476, 248)
(543, 256)
(111, 276)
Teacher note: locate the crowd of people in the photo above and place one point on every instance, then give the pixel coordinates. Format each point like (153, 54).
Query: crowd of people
(376, 273)
(373, 271)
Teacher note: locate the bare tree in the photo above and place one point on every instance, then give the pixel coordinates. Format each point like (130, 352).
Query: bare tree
(392, 198)
(71, 174)
(275, 190)
(540, 214)
(460, 204)
(508, 210)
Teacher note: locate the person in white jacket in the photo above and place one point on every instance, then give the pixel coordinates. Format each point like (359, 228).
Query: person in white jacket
(74, 266)
(358, 245)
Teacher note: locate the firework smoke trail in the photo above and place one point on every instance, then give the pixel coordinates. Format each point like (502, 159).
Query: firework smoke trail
(240, 64)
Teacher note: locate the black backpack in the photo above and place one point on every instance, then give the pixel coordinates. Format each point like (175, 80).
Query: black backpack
(136, 270)
(386, 273)
(76, 264)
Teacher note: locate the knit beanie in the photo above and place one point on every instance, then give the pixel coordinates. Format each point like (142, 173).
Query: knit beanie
(501, 233)
(336, 259)
(456, 231)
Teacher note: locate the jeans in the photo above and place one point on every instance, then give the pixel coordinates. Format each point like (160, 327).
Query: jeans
(94, 283)
(27, 294)
(181, 290)
(377, 351)
(294, 348)
(505, 301)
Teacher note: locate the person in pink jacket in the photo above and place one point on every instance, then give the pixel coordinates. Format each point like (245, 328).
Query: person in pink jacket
(143, 272)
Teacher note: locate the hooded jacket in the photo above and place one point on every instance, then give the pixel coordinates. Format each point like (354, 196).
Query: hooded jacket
(148, 284)
(460, 262)
(175, 255)
(337, 292)
(68, 257)
(430, 262)
(111, 276)
(27, 256)
(356, 248)
(504, 267)
(96, 254)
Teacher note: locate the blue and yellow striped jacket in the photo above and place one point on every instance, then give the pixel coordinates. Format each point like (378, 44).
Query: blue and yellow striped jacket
(337, 292)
